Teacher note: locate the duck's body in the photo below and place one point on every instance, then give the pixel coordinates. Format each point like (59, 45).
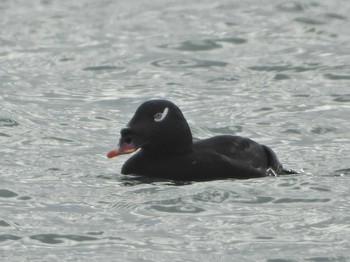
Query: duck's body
(166, 149)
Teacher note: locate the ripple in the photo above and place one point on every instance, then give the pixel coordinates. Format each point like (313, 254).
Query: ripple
(292, 131)
(335, 16)
(342, 98)
(3, 223)
(55, 169)
(319, 188)
(202, 45)
(6, 237)
(290, 7)
(253, 199)
(280, 68)
(333, 76)
(264, 108)
(4, 135)
(187, 63)
(178, 209)
(66, 59)
(7, 193)
(103, 68)
(8, 122)
(323, 130)
(176, 205)
(309, 21)
(124, 205)
(98, 233)
(25, 198)
(222, 79)
(342, 172)
(281, 77)
(233, 40)
(58, 239)
(301, 200)
(327, 259)
(59, 139)
(212, 196)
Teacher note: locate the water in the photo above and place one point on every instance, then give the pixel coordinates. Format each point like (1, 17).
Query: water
(73, 73)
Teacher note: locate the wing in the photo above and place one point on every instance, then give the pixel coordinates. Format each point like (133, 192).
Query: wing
(239, 150)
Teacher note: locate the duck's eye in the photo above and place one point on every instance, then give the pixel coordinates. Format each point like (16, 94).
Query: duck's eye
(160, 116)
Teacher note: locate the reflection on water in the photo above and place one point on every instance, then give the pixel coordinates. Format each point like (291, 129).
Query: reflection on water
(71, 77)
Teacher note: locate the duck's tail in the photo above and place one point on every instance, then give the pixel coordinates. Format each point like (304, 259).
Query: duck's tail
(276, 167)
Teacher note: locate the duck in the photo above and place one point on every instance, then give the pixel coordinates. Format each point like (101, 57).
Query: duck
(164, 148)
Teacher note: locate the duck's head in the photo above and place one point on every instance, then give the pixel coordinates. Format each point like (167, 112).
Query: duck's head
(158, 127)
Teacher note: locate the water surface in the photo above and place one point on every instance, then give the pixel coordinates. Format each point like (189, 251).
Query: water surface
(71, 76)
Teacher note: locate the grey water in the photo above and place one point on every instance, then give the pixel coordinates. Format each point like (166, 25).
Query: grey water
(72, 74)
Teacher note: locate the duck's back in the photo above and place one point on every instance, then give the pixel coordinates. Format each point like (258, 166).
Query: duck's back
(245, 157)
(241, 149)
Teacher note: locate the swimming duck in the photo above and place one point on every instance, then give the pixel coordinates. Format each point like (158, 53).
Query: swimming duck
(160, 134)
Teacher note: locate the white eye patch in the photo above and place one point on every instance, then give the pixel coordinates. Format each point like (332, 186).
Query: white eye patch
(160, 116)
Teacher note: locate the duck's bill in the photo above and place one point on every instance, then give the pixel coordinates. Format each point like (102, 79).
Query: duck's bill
(124, 148)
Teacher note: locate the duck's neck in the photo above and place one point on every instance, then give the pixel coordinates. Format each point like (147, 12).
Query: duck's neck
(174, 144)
